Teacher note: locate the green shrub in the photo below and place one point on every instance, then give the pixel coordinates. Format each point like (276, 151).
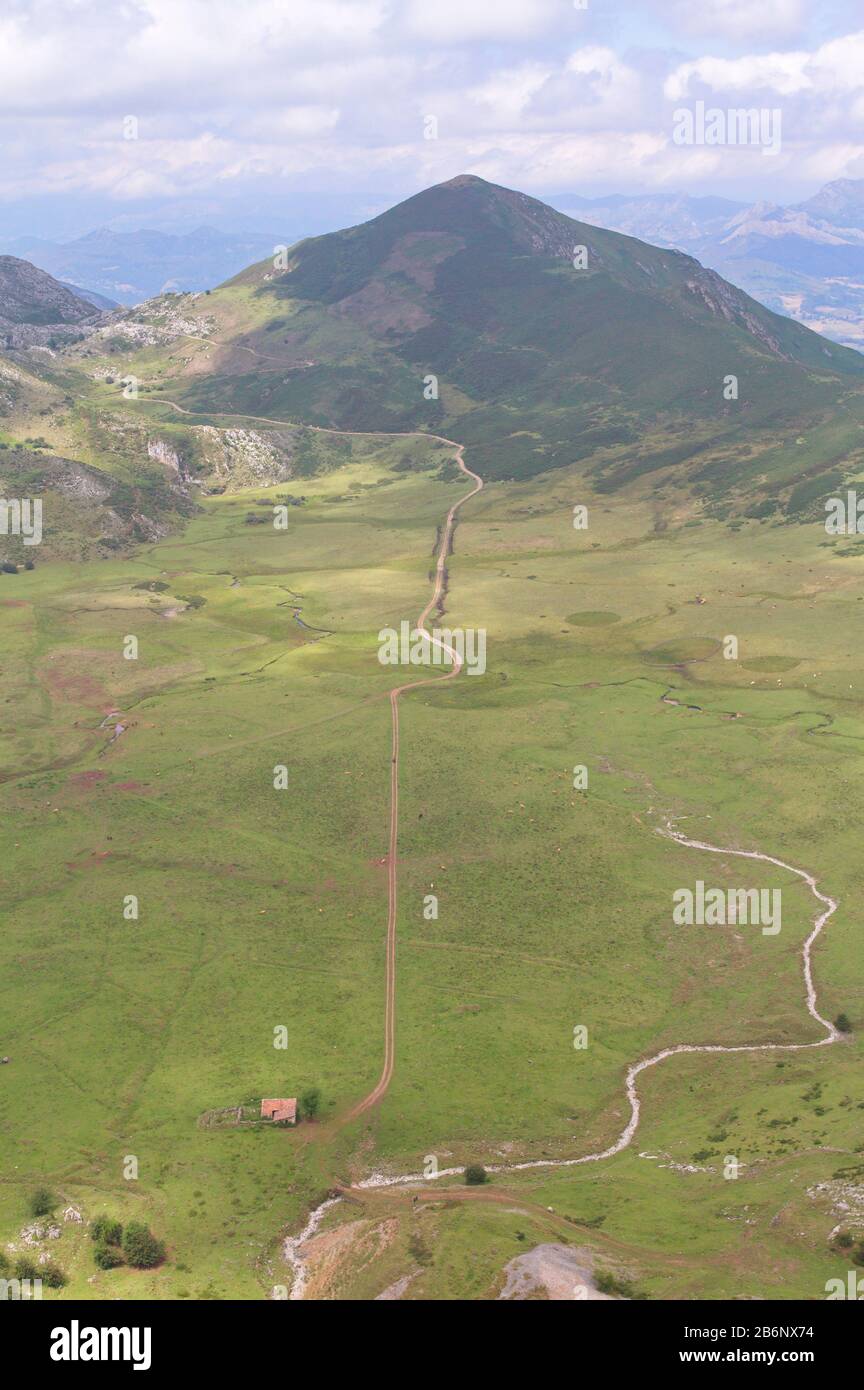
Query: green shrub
(475, 1174)
(141, 1247)
(106, 1231)
(52, 1275)
(609, 1283)
(108, 1256)
(41, 1202)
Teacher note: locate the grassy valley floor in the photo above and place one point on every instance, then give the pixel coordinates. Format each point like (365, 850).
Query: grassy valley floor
(262, 909)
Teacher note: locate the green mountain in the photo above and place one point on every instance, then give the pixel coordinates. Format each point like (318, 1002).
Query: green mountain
(620, 363)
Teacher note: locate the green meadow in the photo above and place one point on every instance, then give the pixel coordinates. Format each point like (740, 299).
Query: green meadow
(264, 909)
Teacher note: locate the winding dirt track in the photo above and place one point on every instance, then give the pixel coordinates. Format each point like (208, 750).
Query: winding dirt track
(378, 1180)
(832, 1035)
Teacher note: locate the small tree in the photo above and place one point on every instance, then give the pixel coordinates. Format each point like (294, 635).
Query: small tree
(52, 1275)
(42, 1202)
(108, 1256)
(310, 1102)
(25, 1268)
(475, 1174)
(141, 1247)
(106, 1231)
(843, 1023)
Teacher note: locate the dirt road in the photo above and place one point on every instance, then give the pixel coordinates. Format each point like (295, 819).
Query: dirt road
(830, 1032)
(380, 1089)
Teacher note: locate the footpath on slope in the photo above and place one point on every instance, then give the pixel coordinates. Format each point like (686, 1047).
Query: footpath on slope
(382, 1181)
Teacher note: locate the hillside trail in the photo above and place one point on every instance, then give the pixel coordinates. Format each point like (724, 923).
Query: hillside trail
(379, 1090)
(635, 1070)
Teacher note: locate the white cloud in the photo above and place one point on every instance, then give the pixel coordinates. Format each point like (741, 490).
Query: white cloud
(736, 19)
(460, 21)
(782, 73)
(506, 94)
(612, 82)
(835, 67)
(530, 91)
(839, 66)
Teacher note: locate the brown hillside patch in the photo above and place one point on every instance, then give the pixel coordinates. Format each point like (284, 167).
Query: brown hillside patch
(88, 676)
(92, 860)
(391, 301)
(86, 780)
(68, 678)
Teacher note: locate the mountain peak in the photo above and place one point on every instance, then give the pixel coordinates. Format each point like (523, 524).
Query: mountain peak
(477, 211)
(466, 181)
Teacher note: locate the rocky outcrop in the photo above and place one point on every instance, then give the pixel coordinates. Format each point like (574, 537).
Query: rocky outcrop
(36, 310)
(244, 458)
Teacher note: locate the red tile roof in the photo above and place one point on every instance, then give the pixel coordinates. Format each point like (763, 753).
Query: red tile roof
(279, 1111)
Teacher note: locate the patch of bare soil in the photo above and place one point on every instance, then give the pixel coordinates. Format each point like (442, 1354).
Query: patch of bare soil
(335, 1255)
(85, 780)
(66, 678)
(92, 860)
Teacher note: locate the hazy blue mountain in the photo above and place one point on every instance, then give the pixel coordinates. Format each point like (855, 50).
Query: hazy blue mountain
(99, 301)
(805, 261)
(840, 202)
(127, 267)
(663, 219)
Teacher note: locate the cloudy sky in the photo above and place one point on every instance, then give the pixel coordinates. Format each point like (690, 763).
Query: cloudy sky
(262, 113)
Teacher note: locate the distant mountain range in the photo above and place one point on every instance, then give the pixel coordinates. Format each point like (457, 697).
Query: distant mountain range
(128, 267)
(806, 261)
